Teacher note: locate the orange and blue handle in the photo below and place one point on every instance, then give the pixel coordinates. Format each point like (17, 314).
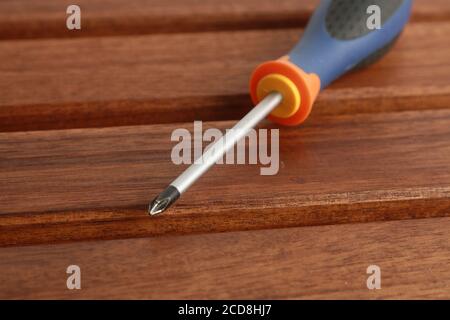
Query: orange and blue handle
(336, 41)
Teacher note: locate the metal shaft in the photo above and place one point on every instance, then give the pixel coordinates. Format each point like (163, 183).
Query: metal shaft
(215, 152)
(221, 146)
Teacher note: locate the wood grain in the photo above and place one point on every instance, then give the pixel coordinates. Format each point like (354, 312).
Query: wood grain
(46, 18)
(96, 82)
(313, 263)
(376, 149)
(96, 183)
(25, 19)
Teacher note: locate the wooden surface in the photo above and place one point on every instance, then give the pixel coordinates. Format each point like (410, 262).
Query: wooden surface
(85, 124)
(94, 82)
(30, 19)
(98, 182)
(325, 262)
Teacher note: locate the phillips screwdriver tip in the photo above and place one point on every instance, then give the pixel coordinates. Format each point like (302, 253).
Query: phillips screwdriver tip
(163, 201)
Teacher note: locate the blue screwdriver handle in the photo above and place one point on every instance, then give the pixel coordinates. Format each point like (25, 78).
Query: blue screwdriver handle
(337, 37)
(342, 35)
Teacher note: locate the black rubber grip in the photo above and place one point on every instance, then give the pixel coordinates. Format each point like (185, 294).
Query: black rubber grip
(347, 19)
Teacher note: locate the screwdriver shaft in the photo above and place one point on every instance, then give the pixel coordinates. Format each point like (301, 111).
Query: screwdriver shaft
(215, 152)
(221, 146)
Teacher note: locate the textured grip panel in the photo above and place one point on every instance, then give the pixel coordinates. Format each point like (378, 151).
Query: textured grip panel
(347, 19)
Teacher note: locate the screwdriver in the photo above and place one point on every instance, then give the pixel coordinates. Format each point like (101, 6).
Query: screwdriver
(341, 36)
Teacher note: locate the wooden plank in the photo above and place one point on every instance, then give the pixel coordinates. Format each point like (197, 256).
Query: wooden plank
(96, 183)
(46, 19)
(313, 263)
(55, 84)
(25, 19)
